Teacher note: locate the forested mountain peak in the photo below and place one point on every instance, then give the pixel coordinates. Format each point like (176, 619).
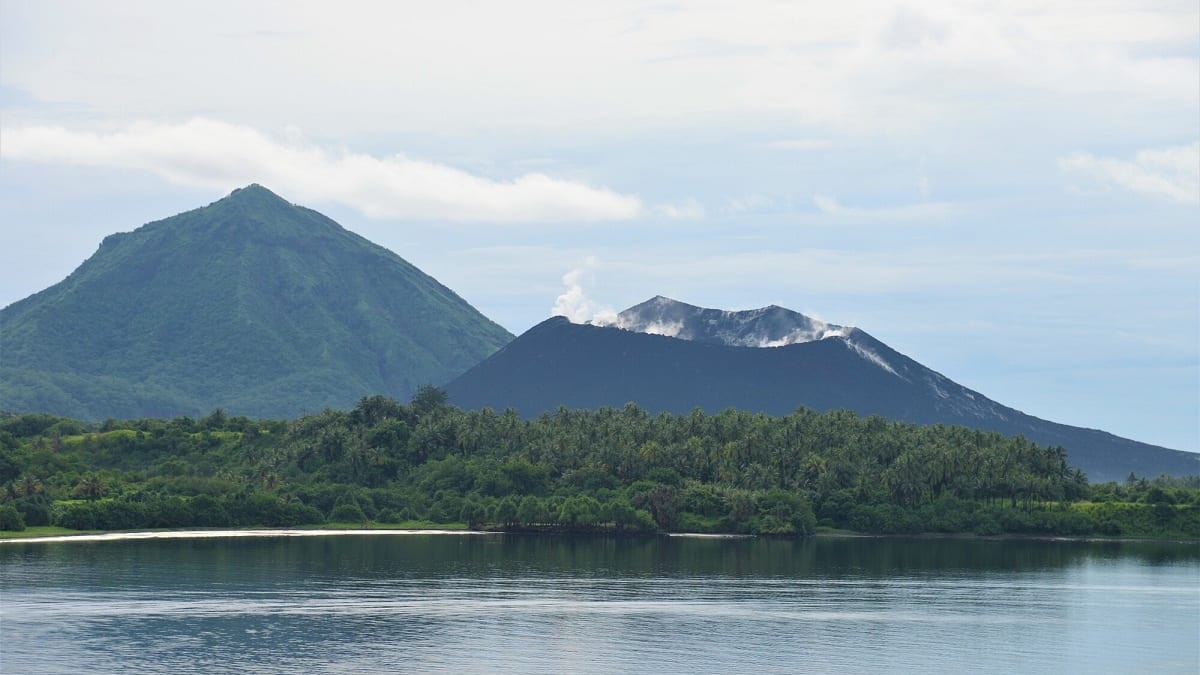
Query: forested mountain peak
(252, 304)
(251, 211)
(255, 192)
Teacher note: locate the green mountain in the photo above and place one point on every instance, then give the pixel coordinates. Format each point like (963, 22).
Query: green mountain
(251, 304)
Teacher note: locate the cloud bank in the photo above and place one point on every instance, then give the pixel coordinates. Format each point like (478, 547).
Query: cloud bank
(1173, 173)
(537, 67)
(211, 154)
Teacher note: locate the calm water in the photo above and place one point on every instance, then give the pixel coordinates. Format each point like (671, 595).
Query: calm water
(519, 604)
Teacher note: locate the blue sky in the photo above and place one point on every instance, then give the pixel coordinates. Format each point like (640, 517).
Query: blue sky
(1007, 192)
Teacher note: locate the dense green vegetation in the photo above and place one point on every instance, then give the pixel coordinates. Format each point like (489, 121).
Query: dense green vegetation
(605, 470)
(251, 303)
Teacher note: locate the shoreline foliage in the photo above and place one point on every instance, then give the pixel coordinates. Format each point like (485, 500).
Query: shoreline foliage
(609, 470)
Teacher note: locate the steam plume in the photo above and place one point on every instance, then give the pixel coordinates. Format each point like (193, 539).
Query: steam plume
(574, 304)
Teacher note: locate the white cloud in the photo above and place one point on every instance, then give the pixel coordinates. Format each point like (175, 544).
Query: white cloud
(830, 206)
(764, 276)
(800, 144)
(751, 203)
(827, 204)
(212, 154)
(689, 209)
(1173, 173)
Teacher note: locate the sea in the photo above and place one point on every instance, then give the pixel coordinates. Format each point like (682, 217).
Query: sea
(391, 602)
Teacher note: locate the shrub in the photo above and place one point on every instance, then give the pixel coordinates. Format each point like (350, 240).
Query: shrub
(395, 515)
(10, 519)
(348, 512)
(206, 511)
(785, 513)
(472, 513)
(704, 500)
(299, 513)
(34, 509)
(531, 510)
(119, 515)
(986, 525)
(75, 516)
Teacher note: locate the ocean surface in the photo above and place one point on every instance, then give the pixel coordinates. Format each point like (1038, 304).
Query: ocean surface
(573, 604)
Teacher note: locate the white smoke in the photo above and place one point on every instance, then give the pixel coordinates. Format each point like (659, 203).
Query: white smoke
(669, 329)
(819, 331)
(874, 358)
(604, 316)
(575, 305)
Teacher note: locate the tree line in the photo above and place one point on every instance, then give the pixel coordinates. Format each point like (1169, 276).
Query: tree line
(613, 469)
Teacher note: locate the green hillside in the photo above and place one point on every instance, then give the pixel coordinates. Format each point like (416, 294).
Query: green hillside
(251, 304)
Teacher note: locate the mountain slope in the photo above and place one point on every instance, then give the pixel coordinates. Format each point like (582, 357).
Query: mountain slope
(584, 366)
(251, 304)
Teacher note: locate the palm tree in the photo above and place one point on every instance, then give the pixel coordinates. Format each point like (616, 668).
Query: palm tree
(91, 487)
(28, 486)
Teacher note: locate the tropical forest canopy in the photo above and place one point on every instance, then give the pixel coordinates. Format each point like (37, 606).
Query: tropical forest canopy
(613, 469)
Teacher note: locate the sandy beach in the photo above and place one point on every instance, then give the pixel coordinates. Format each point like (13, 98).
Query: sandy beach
(216, 534)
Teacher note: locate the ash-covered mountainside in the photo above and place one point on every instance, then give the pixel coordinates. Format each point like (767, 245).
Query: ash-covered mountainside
(668, 356)
(251, 304)
(772, 326)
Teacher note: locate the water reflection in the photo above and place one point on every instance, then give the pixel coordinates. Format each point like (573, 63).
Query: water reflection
(508, 603)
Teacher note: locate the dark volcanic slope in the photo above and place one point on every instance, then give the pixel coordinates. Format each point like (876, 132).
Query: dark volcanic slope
(252, 304)
(557, 363)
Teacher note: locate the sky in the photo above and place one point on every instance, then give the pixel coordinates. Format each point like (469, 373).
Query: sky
(1007, 192)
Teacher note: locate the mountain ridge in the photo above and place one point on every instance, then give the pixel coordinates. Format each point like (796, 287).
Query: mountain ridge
(770, 326)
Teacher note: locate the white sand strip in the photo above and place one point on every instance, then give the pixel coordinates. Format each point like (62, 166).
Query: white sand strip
(703, 535)
(215, 534)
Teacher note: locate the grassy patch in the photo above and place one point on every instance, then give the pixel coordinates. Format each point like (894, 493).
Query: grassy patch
(692, 522)
(98, 436)
(39, 531)
(824, 529)
(223, 435)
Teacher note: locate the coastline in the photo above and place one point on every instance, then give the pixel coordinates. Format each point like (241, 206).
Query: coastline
(226, 534)
(318, 532)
